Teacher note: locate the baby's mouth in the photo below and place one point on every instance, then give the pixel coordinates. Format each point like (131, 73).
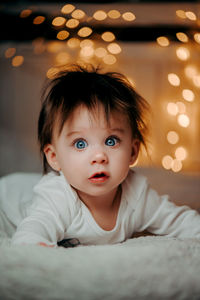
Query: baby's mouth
(99, 177)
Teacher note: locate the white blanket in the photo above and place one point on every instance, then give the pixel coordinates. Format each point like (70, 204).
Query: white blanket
(141, 268)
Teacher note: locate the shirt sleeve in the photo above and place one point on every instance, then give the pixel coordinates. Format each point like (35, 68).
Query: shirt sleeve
(160, 216)
(48, 216)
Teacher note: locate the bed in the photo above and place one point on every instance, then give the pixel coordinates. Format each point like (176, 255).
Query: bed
(144, 267)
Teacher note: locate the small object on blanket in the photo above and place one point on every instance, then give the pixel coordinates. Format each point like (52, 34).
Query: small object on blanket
(68, 243)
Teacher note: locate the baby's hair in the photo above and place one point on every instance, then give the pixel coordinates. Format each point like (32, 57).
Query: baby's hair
(77, 85)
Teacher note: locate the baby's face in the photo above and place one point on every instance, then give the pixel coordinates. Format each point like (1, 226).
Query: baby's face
(93, 155)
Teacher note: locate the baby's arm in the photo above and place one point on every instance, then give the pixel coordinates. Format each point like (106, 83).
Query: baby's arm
(46, 220)
(160, 216)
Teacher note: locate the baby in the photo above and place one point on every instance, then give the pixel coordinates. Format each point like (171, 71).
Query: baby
(91, 127)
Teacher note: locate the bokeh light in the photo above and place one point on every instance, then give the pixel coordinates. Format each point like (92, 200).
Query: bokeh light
(188, 95)
(167, 161)
(183, 53)
(183, 120)
(67, 9)
(172, 137)
(17, 60)
(38, 20)
(181, 36)
(58, 21)
(10, 52)
(173, 79)
(128, 16)
(172, 108)
(72, 23)
(78, 14)
(163, 41)
(108, 36)
(84, 31)
(181, 153)
(99, 15)
(114, 48)
(62, 35)
(114, 14)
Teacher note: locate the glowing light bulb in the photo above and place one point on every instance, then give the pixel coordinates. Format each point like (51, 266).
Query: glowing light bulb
(196, 81)
(181, 153)
(190, 71)
(197, 37)
(67, 9)
(78, 14)
(167, 161)
(100, 52)
(181, 14)
(38, 20)
(163, 41)
(128, 16)
(62, 35)
(73, 43)
(114, 14)
(176, 165)
(84, 31)
(172, 137)
(183, 120)
(17, 60)
(109, 59)
(87, 51)
(188, 95)
(58, 21)
(183, 53)
(114, 48)
(10, 52)
(100, 15)
(172, 108)
(191, 15)
(173, 79)
(25, 13)
(181, 36)
(108, 36)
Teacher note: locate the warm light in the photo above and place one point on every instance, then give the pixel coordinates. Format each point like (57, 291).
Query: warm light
(176, 165)
(17, 61)
(73, 43)
(100, 15)
(190, 71)
(86, 43)
(78, 14)
(58, 21)
(172, 137)
(188, 95)
(196, 81)
(181, 14)
(62, 35)
(173, 79)
(183, 53)
(167, 162)
(128, 16)
(87, 51)
(172, 108)
(39, 46)
(114, 48)
(197, 37)
(109, 59)
(182, 37)
(84, 31)
(114, 14)
(25, 13)
(67, 9)
(54, 46)
(38, 20)
(51, 73)
(181, 153)
(100, 52)
(183, 120)
(108, 36)
(181, 107)
(72, 23)
(163, 41)
(10, 52)
(62, 58)
(190, 15)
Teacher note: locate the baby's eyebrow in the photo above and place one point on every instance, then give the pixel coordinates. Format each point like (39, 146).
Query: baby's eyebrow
(119, 130)
(72, 133)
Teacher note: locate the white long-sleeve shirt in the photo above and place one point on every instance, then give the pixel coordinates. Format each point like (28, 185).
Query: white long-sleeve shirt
(57, 213)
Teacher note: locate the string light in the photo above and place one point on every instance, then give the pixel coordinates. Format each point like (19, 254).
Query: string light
(190, 71)
(108, 36)
(167, 161)
(182, 37)
(87, 51)
(191, 15)
(109, 59)
(181, 14)
(100, 52)
(86, 43)
(172, 108)
(176, 165)
(25, 13)
(38, 20)
(72, 23)
(84, 31)
(188, 95)
(67, 9)
(181, 107)
(58, 21)
(10, 52)
(197, 37)
(114, 48)
(73, 43)
(128, 16)
(62, 35)
(17, 61)
(181, 153)
(183, 120)
(163, 41)
(183, 53)
(78, 14)
(196, 80)
(100, 15)
(114, 14)
(172, 137)
(173, 79)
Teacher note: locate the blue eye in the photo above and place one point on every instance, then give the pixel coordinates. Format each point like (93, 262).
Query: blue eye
(111, 141)
(80, 144)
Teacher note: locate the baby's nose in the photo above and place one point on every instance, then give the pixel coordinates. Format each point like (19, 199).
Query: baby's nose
(99, 157)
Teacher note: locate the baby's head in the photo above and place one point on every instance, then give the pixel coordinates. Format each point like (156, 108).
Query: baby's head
(77, 87)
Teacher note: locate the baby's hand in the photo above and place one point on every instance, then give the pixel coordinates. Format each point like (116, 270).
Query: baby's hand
(45, 245)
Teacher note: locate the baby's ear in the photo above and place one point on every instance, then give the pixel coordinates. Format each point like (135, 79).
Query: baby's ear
(50, 153)
(135, 151)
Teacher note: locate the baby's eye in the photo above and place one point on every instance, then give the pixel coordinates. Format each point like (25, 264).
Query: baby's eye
(80, 144)
(111, 141)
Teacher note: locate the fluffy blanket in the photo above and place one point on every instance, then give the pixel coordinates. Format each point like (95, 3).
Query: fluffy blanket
(140, 268)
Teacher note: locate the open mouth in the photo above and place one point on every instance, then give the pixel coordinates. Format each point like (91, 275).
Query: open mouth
(99, 177)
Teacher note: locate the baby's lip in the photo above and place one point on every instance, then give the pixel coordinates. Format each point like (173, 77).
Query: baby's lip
(101, 174)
